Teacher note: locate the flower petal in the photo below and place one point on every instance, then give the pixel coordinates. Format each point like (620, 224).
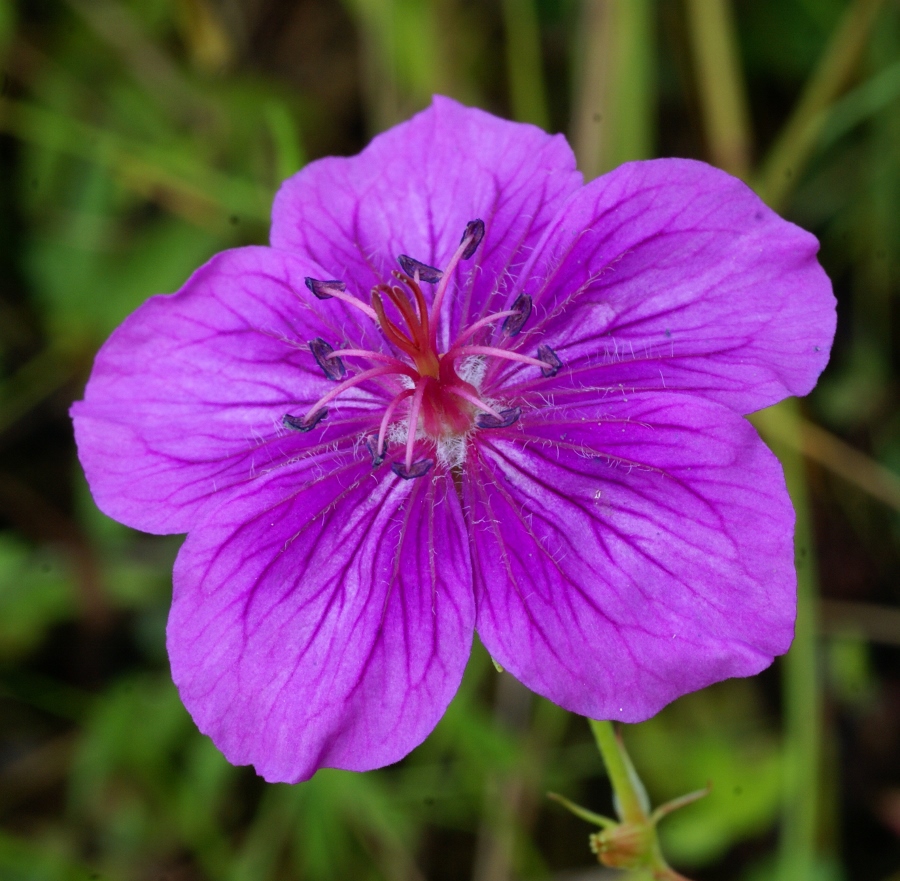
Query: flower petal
(672, 274)
(631, 551)
(414, 189)
(323, 617)
(186, 398)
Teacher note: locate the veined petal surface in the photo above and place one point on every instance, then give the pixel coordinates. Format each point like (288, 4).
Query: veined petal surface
(671, 274)
(186, 397)
(413, 190)
(630, 551)
(624, 537)
(323, 617)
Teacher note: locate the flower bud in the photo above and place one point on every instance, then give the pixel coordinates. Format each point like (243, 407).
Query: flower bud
(624, 846)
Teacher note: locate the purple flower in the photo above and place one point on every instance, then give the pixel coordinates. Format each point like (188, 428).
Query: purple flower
(461, 391)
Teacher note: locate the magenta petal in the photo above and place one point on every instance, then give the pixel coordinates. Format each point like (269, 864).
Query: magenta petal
(186, 398)
(671, 274)
(323, 617)
(414, 189)
(631, 551)
(577, 377)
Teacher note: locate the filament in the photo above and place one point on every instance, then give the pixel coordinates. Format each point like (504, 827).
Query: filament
(497, 353)
(414, 409)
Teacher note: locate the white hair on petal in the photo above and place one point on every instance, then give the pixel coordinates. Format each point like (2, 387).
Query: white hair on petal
(472, 371)
(398, 431)
(451, 451)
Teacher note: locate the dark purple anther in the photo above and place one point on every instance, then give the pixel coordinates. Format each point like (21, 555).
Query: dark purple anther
(296, 423)
(506, 418)
(550, 358)
(426, 273)
(325, 290)
(417, 469)
(372, 447)
(322, 352)
(474, 228)
(522, 308)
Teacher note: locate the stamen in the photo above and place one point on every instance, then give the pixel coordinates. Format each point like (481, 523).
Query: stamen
(521, 309)
(296, 423)
(482, 322)
(414, 409)
(325, 290)
(503, 420)
(460, 392)
(386, 419)
(410, 472)
(372, 447)
(550, 359)
(415, 268)
(332, 366)
(475, 232)
(372, 356)
(349, 383)
(499, 353)
(471, 239)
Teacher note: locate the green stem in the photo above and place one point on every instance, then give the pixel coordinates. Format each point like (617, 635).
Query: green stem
(621, 774)
(524, 65)
(802, 696)
(802, 701)
(720, 83)
(799, 137)
(614, 108)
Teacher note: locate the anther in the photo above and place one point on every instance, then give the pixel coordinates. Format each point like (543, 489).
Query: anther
(372, 447)
(417, 469)
(521, 309)
(331, 365)
(325, 290)
(298, 423)
(505, 419)
(550, 358)
(411, 266)
(475, 230)
(472, 237)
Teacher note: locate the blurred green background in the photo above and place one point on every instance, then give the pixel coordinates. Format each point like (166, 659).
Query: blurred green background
(138, 137)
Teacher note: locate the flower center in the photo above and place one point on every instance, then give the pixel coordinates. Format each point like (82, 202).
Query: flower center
(433, 399)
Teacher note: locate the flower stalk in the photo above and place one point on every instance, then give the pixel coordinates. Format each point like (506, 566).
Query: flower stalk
(631, 842)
